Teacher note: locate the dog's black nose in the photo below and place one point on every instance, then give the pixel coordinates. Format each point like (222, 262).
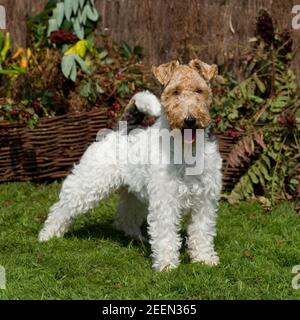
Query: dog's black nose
(190, 121)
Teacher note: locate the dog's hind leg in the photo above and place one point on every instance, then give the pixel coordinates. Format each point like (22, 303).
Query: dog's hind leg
(131, 215)
(89, 183)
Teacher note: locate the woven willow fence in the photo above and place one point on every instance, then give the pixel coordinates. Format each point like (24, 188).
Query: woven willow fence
(50, 150)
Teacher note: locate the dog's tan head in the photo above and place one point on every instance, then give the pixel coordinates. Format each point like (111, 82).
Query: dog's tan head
(187, 96)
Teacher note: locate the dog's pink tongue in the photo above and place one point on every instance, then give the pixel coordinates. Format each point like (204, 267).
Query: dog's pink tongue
(189, 136)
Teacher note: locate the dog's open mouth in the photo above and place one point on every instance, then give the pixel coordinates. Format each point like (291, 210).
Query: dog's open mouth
(189, 135)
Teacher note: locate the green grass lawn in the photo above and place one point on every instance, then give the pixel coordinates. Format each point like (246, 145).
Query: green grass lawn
(257, 249)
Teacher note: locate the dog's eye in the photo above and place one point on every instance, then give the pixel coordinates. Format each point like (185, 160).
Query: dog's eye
(176, 92)
(199, 91)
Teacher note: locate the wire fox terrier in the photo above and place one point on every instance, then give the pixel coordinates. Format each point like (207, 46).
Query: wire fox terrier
(160, 193)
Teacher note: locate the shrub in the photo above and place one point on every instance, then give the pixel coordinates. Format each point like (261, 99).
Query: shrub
(67, 67)
(262, 112)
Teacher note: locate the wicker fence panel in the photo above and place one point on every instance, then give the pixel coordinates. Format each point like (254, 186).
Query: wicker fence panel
(50, 150)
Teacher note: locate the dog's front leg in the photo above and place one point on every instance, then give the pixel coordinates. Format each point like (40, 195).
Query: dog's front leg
(163, 226)
(201, 232)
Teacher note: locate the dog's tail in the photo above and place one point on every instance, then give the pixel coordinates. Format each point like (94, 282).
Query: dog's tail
(147, 103)
(142, 107)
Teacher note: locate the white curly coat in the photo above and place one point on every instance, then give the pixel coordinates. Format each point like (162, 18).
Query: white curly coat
(162, 194)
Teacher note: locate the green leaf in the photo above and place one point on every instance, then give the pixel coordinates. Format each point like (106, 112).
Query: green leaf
(84, 16)
(52, 26)
(67, 25)
(11, 72)
(247, 186)
(294, 182)
(243, 89)
(90, 41)
(91, 90)
(253, 177)
(264, 171)
(266, 161)
(233, 115)
(55, 14)
(78, 29)
(103, 54)
(261, 177)
(67, 64)
(73, 74)
(82, 64)
(92, 13)
(278, 104)
(81, 2)
(123, 90)
(277, 145)
(126, 50)
(259, 83)
(75, 6)
(65, 48)
(68, 8)
(234, 197)
(256, 99)
(272, 154)
(79, 16)
(60, 13)
(85, 89)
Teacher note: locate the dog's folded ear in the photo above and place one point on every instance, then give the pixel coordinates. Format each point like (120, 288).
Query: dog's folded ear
(164, 72)
(207, 71)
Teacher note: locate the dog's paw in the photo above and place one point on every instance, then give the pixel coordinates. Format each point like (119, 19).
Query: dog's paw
(54, 230)
(210, 260)
(46, 235)
(164, 267)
